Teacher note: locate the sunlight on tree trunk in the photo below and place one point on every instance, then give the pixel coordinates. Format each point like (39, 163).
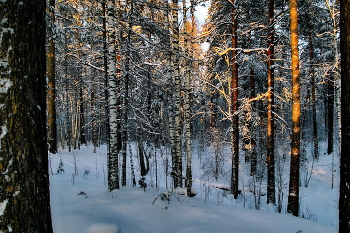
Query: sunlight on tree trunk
(293, 197)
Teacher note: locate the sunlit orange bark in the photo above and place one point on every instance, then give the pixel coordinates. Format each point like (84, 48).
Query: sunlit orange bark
(293, 197)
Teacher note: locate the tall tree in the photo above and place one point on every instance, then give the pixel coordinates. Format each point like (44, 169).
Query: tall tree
(313, 99)
(344, 202)
(293, 197)
(51, 74)
(24, 179)
(270, 107)
(234, 104)
(113, 147)
(187, 99)
(176, 150)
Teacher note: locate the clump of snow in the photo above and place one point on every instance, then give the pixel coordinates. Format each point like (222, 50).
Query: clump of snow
(102, 228)
(2, 133)
(3, 207)
(5, 84)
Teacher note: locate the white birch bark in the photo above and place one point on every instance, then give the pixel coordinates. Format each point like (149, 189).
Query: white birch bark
(176, 147)
(113, 151)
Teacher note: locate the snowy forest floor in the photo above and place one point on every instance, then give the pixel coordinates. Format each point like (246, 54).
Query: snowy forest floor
(81, 202)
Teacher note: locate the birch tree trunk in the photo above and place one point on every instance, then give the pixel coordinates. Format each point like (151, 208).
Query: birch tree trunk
(270, 108)
(344, 202)
(113, 148)
(293, 197)
(51, 91)
(234, 106)
(176, 147)
(24, 177)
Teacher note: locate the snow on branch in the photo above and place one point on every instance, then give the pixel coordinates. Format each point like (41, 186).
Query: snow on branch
(217, 50)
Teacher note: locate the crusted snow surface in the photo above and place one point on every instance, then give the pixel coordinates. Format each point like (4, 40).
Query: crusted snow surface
(102, 228)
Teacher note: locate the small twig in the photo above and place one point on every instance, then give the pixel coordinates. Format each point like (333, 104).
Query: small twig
(91, 212)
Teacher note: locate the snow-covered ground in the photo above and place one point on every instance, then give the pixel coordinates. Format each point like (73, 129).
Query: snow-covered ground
(80, 201)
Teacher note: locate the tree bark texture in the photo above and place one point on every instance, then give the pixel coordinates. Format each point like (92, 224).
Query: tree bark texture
(330, 118)
(176, 147)
(51, 74)
(344, 201)
(293, 197)
(24, 179)
(113, 148)
(234, 106)
(187, 104)
(270, 109)
(313, 100)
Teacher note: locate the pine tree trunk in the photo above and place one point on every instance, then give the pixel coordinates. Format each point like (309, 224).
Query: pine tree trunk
(187, 104)
(270, 109)
(24, 176)
(293, 197)
(113, 149)
(330, 107)
(253, 156)
(313, 99)
(234, 107)
(344, 201)
(93, 119)
(82, 138)
(51, 91)
(105, 65)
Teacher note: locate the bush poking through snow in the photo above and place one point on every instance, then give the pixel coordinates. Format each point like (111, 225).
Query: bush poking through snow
(82, 193)
(86, 172)
(60, 168)
(163, 196)
(142, 183)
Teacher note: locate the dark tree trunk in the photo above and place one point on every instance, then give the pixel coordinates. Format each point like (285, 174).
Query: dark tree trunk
(253, 156)
(313, 99)
(344, 203)
(234, 106)
(270, 109)
(24, 177)
(51, 91)
(330, 107)
(82, 138)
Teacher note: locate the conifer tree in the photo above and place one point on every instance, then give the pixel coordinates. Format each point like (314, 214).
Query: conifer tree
(293, 197)
(24, 178)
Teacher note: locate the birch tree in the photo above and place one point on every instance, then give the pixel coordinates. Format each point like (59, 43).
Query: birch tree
(24, 179)
(176, 149)
(113, 147)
